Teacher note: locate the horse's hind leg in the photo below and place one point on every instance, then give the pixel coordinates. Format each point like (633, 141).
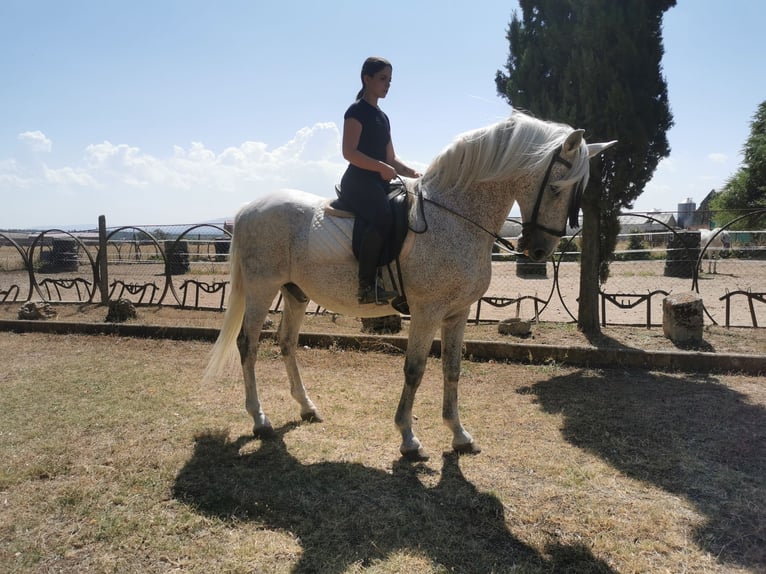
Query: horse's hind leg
(295, 303)
(256, 310)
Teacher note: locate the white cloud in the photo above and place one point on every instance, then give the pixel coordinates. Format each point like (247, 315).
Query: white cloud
(192, 183)
(718, 157)
(667, 165)
(68, 176)
(36, 141)
(317, 143)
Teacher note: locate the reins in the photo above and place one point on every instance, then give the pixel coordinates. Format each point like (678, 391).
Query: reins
(418, 194)
(525, 226)
(401, 304)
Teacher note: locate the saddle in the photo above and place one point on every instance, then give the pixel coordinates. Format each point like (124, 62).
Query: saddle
(398, 199)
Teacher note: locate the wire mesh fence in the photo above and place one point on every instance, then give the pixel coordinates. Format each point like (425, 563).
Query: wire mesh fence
(187, 266)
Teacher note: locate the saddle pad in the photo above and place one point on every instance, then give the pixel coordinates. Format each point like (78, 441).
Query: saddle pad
(400, 206)
(330, 237)
(333, 208)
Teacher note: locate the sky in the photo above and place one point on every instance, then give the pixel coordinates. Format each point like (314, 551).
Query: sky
(181, 111)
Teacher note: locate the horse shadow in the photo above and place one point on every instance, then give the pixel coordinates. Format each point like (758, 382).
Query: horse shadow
(690, 436)
(602, 340)
(346, 513)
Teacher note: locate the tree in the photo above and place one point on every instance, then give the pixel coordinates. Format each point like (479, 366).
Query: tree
(595, 64)
(746, 189)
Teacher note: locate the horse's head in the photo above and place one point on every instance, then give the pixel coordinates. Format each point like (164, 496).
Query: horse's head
(556, 197)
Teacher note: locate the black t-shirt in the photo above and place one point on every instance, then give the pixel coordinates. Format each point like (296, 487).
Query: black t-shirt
(376, 129)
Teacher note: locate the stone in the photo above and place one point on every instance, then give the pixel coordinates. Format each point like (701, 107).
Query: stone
(120, 311)
(515, 326)
(32, 311)
(682, 318)
(382, 325)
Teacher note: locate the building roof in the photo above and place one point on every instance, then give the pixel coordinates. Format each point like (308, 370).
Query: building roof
(665, 217)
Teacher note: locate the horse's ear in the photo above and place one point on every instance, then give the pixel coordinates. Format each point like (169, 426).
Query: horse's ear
(572, 144)
(596, 148)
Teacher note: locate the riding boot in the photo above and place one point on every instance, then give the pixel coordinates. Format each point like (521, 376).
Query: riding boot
(369, 254)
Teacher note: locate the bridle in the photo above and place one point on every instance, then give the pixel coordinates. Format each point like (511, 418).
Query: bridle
(574, 204)
(532, 224)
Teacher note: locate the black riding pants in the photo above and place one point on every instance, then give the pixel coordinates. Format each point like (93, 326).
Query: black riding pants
(366, 194)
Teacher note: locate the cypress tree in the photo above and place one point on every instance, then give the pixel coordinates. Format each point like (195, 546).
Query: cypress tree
(595, 64)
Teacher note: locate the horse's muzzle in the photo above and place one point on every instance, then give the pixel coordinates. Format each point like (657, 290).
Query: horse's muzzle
(534, 246)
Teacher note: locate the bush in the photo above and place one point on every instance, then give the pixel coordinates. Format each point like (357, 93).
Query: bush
(636, 250)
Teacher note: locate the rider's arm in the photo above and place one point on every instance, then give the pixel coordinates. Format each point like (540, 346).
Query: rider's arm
(352, 131)
(400, 168)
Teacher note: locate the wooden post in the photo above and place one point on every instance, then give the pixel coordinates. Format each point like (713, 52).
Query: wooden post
(103, 267)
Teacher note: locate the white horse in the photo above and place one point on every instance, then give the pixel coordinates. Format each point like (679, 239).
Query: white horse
(712, 242)
(288, 241)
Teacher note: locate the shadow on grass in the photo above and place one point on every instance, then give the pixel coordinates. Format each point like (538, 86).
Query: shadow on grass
(599, 339)
(346, 513)
(602, 340)
(691, 436)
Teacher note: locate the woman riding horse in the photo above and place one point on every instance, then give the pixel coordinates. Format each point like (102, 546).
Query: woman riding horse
(288, 242)
(373, 164)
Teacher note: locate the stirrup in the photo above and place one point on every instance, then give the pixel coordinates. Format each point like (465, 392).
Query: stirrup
(375, 294)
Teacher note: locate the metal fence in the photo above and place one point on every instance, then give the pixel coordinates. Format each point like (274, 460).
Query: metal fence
(187, 266)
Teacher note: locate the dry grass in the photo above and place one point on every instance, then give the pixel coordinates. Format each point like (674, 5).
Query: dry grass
(115, 458)
(717, 339)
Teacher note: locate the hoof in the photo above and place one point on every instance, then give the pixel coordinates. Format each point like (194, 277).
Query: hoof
(264, 433)
(469, 448)
(312, 417)
(418, 455)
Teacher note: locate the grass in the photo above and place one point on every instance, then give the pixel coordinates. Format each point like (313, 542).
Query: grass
(116, 458)
(716, 338)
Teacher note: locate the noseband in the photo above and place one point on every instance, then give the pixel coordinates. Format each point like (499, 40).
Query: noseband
(574, 205)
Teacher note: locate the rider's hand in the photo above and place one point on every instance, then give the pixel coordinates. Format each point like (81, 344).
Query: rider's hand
(386, 171)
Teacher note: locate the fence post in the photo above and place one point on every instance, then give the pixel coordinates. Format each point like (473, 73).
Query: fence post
(103, 271)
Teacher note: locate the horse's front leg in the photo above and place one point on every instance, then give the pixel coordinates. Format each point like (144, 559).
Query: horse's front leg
(453, 329)
(418, 345)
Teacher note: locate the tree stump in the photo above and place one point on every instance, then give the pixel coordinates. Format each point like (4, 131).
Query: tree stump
(525, 267)
(682, 318)
(222, 246)
(62, 256)
(176, 257)
(682, 254)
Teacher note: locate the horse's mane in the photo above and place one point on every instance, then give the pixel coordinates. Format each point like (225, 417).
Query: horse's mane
(496, 152)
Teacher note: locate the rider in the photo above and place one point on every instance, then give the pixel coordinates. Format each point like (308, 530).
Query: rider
(372, 165)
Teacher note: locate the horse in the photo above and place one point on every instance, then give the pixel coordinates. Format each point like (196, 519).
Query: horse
(713, 241)
(288, 242)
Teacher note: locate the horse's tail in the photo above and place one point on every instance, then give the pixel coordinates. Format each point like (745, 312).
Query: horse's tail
(232, 320)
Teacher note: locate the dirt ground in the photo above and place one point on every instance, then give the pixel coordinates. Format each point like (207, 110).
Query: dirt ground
(635, 289)
(716, 339)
